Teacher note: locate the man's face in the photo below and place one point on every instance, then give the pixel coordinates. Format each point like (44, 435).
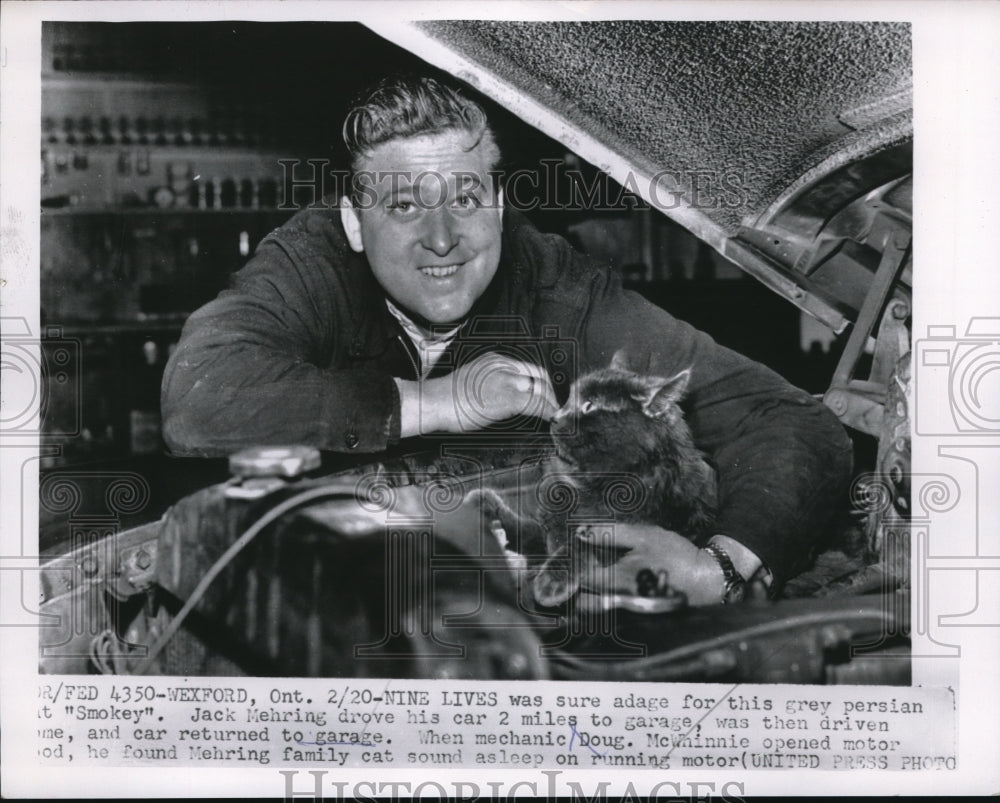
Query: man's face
(429, 222)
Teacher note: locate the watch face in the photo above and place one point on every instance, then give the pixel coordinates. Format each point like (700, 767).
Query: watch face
(735, 592)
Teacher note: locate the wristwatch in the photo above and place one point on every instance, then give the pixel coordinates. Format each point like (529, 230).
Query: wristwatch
(735, 585)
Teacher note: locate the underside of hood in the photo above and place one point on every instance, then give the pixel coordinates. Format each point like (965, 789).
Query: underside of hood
(760, 134)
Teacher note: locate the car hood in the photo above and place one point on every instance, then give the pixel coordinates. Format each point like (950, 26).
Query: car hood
(801, 133)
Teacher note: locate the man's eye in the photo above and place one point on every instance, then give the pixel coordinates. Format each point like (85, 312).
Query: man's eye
(586, 407)
(467, 201)
(402, 207)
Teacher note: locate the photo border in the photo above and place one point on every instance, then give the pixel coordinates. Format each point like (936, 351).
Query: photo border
(955, 561)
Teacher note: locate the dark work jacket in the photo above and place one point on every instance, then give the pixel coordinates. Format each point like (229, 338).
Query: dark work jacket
(301, 349)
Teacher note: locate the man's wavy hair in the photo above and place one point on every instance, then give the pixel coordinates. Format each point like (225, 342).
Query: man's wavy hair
(411, 106)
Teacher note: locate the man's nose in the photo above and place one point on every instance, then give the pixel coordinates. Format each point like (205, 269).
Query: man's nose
(440, 233)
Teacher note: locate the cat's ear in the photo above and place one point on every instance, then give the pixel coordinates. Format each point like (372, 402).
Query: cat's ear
(620, 361)
(668, 394)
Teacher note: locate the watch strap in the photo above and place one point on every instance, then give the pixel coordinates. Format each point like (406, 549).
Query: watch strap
(734, 583)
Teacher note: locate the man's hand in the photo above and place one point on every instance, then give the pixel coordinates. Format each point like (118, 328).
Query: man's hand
(484, 391)
(689, 569)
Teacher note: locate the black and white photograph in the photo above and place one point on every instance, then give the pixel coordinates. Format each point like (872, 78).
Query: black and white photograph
(553, 390)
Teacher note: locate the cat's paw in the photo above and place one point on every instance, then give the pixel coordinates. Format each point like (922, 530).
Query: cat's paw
(487, 500)
(499, 521)
(515, 561)
(552, 587)
(555, 582)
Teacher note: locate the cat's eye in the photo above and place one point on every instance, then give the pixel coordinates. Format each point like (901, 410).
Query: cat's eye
(586, 407)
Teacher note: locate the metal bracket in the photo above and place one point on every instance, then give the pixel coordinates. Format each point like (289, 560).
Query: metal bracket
(857, 402)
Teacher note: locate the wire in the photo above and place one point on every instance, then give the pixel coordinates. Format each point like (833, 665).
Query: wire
(224, 560)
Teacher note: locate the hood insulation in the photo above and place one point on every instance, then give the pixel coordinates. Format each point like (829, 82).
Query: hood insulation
(766, 102)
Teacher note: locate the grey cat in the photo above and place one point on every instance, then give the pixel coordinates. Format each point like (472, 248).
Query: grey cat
(623, 450)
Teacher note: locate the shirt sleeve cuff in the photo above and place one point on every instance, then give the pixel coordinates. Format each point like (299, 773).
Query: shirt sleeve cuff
(744, 559)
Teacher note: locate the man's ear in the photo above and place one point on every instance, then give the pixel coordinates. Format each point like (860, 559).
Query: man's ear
(352, 224)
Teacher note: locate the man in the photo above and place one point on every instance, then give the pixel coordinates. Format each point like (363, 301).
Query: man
(348, 329)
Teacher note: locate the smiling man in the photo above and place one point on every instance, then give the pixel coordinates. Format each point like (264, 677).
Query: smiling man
(357, 327)
(427, 212)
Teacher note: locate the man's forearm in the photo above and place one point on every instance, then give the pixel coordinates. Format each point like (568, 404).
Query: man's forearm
(218, 400)
(489, 389)
(784, 473)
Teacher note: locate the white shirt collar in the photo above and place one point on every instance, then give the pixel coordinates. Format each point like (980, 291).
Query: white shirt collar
(429, 347)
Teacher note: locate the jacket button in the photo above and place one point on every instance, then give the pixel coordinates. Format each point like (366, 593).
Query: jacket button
(351, 440)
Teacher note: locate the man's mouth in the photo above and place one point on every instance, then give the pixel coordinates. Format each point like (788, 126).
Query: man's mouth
(439, 271)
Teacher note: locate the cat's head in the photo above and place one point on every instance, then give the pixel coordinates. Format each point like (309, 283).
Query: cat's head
(615, 419)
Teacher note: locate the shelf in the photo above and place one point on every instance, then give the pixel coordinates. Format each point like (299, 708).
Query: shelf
(198, 150)
(166, 323)
(71, 211)
(98, 80)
